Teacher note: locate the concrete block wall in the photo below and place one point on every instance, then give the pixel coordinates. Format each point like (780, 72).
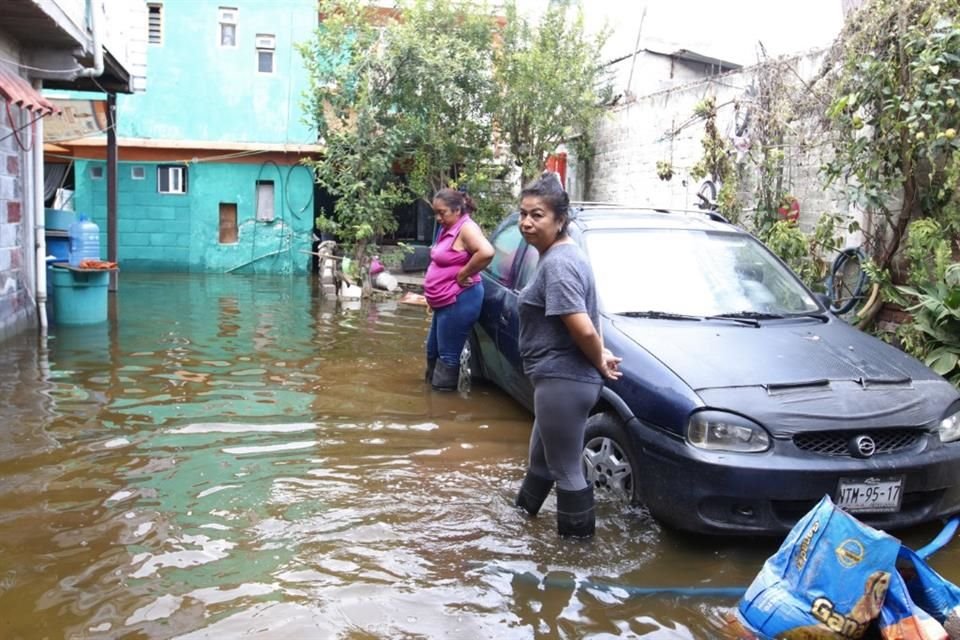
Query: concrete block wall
(17, 311)
(180, 232)
(661, 126)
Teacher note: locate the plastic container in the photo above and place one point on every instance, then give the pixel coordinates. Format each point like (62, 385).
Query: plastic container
(58, 247)
(58, 219)
(79, 297)
(84, 240)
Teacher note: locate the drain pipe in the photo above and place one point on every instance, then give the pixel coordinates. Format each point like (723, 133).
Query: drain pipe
(97, 69)
(39, 221)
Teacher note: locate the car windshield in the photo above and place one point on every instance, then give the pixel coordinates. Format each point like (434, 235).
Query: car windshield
(693, 273)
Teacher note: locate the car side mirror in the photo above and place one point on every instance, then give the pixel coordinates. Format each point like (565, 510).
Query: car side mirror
(824, 299)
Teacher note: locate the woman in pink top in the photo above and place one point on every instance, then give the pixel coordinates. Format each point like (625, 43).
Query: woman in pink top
(452, 285)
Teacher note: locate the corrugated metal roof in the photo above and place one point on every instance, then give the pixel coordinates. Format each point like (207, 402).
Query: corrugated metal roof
(19, 92)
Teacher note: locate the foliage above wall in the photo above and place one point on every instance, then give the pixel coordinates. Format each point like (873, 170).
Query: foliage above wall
(895, 116)
(717, 163)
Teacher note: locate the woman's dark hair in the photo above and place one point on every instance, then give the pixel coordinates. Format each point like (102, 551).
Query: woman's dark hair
(548, 188)
(456, 200)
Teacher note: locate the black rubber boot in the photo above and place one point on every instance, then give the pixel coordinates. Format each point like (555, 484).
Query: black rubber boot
(575, 514)
(533, 492)
(431, 365)
(445, 377)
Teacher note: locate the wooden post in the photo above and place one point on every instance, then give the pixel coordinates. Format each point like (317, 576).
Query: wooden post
(112, 185)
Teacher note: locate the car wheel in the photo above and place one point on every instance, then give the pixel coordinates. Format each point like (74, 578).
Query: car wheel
(470, 366)
(609, 462)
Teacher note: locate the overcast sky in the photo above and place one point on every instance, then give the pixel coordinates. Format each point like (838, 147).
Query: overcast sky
(726, 29)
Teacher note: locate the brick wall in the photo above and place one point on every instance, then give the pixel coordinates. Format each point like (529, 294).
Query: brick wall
(17, 311)
(661, 126)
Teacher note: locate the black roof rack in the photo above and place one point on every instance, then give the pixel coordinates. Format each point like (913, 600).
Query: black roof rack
(716, 216)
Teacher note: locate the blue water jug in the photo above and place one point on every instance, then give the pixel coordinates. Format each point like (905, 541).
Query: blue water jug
(84, 240)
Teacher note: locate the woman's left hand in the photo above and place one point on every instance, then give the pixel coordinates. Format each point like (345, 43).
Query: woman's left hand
(611, 366)
(463, 280)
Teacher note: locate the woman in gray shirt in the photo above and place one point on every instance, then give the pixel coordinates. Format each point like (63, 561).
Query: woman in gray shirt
(563, 355)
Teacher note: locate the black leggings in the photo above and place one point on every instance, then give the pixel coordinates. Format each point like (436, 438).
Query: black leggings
(561, 408)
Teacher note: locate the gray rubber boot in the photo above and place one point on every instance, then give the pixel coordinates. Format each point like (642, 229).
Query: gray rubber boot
(575, 514)
(533, 492)
(431, 365)
(445, 377)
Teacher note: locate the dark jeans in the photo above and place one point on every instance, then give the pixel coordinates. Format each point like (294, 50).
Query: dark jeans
(451, 325)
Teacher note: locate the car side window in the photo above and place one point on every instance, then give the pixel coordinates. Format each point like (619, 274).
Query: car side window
(505, 246)
(528, 266)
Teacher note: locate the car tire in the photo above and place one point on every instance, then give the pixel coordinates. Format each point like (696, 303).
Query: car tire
(609, 462)
(470, 359)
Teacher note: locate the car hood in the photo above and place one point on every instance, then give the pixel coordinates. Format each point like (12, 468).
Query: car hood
(796, 375)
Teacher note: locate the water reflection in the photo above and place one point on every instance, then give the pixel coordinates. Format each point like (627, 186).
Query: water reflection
(235, 457)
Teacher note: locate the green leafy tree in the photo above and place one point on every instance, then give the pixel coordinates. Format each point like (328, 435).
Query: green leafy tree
(421, 97)
(349, 104)
(895, 116)
(401, 100)
(552, 87)
(443, 89)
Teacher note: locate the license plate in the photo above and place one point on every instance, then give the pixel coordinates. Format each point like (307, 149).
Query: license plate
(870, 495)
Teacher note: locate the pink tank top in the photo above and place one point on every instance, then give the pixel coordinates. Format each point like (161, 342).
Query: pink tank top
(440, 286)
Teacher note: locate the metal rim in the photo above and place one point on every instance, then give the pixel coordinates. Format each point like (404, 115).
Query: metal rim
(608, 469)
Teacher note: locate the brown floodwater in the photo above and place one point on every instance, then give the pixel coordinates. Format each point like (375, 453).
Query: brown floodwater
(234, 457)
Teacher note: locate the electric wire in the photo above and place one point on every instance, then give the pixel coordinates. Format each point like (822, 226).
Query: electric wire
(13, 132)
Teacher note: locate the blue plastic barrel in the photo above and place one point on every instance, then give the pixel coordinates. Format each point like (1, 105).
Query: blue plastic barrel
(79, 297)
(84, 240)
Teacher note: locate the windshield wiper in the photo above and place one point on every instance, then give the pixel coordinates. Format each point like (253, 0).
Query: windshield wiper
(816, 315)
(658, 315)
(751, 318)
(749, 315)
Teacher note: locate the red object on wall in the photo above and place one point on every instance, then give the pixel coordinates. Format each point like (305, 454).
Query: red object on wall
(557, 162)
(789, 209)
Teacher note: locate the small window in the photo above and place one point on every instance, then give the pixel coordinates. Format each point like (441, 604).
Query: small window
(265, 209)
(171, 179)
(96, 172)
(228, 26)
(138, 173)
(266, 45)
(155, 23)
(228, 223)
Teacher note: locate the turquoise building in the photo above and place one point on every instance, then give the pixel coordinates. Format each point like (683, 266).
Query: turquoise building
(210, 174)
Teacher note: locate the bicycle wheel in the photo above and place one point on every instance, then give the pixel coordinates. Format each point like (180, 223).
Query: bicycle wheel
(707, 195)
(848, 280)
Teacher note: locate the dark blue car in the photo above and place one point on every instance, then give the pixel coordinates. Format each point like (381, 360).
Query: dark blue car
(743, 399)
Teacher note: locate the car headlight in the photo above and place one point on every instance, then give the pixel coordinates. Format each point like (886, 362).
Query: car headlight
(950, 427)
(720, 431)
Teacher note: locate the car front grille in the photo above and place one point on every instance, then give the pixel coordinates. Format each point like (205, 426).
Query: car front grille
(834, 443)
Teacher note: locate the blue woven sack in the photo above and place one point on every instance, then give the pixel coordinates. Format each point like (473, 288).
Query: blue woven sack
(902, 619)
(930, 591)
(828, 579)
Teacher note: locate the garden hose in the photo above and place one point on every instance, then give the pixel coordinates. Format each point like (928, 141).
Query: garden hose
(866, 310)
(552, 580)
(857, 292)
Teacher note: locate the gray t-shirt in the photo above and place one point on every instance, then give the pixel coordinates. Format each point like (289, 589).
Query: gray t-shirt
(562, 284)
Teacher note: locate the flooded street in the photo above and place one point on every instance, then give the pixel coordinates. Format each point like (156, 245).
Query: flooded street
(234, 457)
